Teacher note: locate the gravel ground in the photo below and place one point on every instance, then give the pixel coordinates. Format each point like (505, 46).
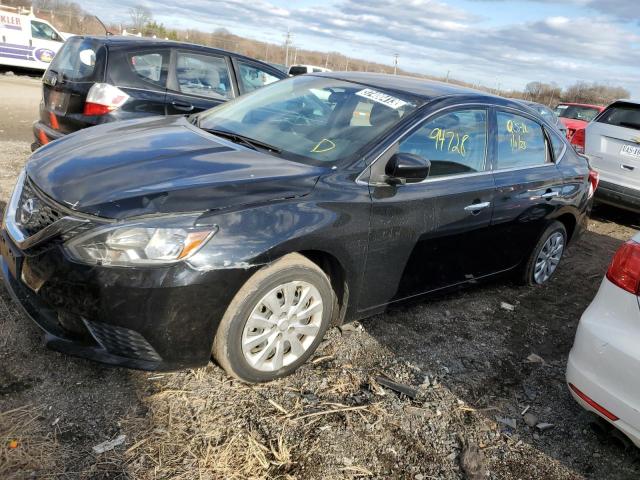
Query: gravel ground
(465, 356)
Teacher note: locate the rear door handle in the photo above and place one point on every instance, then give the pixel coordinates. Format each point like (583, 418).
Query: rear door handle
(185, 107)
(476, 207)
(627, 167)
(549, 195)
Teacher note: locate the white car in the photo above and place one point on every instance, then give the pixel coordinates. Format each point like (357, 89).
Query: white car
(613, 148)
(603, 372)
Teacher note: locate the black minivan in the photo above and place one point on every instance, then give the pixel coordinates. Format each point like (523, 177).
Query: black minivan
(94, 80)
(247, 230)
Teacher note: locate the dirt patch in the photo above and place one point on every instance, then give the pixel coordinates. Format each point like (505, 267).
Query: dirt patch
(464, 353)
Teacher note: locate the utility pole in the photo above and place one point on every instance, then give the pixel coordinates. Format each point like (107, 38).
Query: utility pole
(266, 53)
(395, 63)
(448, 71)
(287, 42)
(295, 56)
(326, 62)
(346, 69)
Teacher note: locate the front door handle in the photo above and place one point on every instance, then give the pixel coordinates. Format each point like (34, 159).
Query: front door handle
(549, 195)
(476, 207)
(185, 107)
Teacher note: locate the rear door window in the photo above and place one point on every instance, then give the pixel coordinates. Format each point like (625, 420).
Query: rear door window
(621, 114)
(203, 75)
(454, 142)
(253, 77)
(521, 142)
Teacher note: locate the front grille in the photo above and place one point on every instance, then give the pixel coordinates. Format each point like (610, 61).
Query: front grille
(43, 214)
(122, 342)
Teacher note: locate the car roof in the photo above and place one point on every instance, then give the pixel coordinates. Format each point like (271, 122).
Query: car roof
(420, 87)
(627, 100)
(123, 41)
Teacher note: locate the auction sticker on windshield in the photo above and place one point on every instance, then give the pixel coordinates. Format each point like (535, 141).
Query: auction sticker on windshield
(383, 98)
(630, 151)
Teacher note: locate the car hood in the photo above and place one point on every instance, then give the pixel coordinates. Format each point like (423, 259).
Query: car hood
(573, 124)
(161, 165)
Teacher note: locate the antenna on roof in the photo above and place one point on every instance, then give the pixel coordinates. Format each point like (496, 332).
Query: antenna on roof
(106, 30)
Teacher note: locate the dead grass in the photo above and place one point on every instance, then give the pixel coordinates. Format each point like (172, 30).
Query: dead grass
(191, 435)
(213, 428)
(24, 449)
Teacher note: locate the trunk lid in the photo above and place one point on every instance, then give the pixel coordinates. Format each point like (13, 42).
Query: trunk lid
(77, 66)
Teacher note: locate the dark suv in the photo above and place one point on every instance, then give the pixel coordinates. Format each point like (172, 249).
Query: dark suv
(94, 80)
(249, 229)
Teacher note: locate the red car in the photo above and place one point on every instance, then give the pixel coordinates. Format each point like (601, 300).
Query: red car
(575, 117)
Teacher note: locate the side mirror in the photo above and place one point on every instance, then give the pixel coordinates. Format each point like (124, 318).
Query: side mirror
(407, 168)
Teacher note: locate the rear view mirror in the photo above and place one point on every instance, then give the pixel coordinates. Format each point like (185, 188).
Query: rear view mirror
(407, 168)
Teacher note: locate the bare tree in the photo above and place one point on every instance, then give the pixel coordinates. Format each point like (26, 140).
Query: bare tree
(140, 16)
(595, 93)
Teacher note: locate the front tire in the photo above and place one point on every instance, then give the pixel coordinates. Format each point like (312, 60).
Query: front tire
(276, 320)
(546, 255)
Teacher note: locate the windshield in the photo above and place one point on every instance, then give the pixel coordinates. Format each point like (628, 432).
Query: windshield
(575, 112)
(308, 118)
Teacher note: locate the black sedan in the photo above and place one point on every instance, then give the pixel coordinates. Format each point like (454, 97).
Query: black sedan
(247, 230)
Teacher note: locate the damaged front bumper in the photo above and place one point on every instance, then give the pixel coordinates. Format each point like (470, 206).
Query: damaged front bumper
(161, 318)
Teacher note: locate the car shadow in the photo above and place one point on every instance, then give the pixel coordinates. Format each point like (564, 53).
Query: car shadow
(610, 214)
(476, 345)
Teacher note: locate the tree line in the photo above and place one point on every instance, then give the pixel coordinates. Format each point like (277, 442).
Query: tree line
(70, 17)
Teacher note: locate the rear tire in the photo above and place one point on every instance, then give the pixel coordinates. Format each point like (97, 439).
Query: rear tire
(276, 320)
(546, 255)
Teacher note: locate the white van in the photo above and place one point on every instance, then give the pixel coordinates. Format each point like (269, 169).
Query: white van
(302, 69)
(27, 41)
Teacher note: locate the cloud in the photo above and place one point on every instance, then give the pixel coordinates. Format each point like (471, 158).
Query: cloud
(433, 36)
(621, 10)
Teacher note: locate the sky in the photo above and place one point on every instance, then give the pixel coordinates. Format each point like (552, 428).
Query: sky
(500, 44)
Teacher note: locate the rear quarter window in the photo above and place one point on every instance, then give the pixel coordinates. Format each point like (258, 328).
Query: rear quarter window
(80, 60)
(621, 114)
(146, 69)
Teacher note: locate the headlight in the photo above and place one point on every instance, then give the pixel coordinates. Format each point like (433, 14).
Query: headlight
(142, 243)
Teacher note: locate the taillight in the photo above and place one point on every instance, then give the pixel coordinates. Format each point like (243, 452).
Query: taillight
(624, 270)
(594, 179)
(577, 140)
(104, 98)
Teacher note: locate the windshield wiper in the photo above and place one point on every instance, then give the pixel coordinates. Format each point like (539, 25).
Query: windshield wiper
(246, 141)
